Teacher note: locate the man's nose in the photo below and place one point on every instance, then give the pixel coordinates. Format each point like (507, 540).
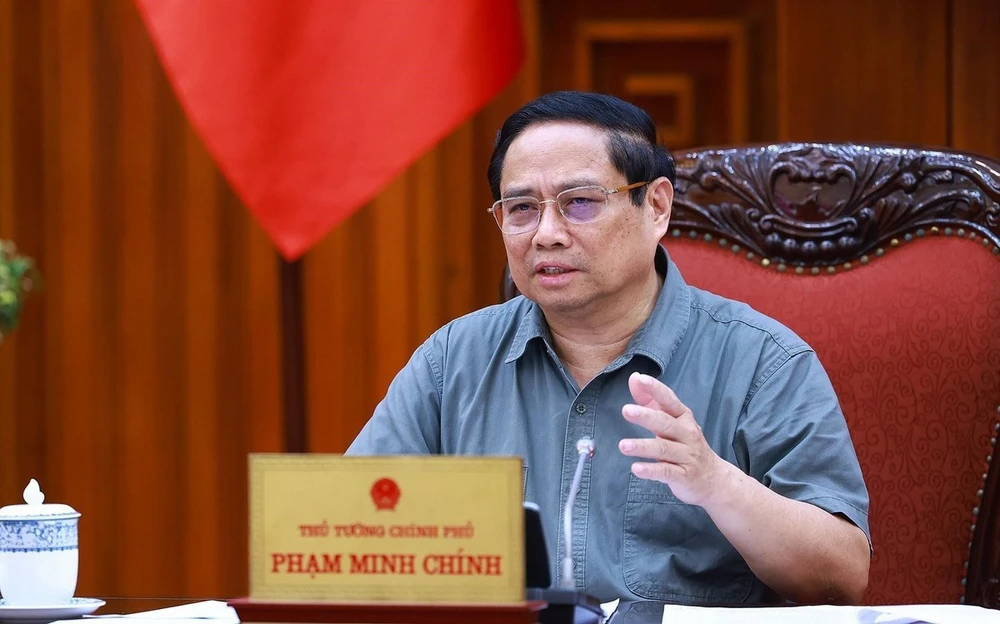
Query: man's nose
(552, 227)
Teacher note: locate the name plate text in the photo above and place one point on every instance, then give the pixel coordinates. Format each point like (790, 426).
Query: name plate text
(398, 529)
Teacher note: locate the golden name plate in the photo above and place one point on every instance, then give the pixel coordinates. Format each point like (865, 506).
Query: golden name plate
(441, 529)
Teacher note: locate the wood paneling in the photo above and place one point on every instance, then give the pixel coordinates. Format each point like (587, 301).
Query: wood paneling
(147, 367)
(975, 64)
(858, 70)
(723, 49)
(609, 55)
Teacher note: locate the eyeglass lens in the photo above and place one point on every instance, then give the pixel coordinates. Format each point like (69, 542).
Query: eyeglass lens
(579, 205)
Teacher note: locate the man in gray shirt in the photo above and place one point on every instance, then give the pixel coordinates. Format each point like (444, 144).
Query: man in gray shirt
(723, 472)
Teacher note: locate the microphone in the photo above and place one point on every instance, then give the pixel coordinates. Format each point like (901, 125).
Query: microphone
(565, 604)
(585, 448)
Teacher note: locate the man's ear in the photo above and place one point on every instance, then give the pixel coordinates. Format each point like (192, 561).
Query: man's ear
(660, 197)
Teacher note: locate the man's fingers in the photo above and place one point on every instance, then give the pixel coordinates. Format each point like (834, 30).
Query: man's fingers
(662, 425)
(650, 392)
(653, 420)
(657, 471)
(656, 449)
(639, 392)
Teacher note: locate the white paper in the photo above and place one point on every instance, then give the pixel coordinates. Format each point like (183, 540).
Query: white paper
(935, 614)
(609, 608)
(897, 614)
(680, 614)
(215, 611)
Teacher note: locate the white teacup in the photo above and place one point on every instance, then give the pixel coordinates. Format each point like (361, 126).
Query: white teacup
(39, 551)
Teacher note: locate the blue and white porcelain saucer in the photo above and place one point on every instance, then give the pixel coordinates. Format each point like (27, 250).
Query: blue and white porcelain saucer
(76, 607)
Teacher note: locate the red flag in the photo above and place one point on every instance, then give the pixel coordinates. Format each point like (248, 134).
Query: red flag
(310, 107)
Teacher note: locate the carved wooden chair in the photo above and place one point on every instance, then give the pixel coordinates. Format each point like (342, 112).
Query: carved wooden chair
(887, 261)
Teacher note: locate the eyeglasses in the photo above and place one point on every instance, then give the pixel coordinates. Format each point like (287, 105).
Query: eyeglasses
(583, 204)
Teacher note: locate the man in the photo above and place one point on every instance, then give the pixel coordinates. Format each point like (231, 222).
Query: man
(723, 472)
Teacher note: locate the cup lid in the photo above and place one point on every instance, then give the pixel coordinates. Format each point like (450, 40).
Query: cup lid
(34, 506)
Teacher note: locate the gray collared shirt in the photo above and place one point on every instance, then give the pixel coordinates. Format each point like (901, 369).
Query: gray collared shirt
(490, 383)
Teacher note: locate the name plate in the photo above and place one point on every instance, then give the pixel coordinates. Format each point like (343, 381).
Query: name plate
(438, 529)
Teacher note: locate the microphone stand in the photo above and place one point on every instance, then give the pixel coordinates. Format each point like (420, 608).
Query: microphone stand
(567, 605)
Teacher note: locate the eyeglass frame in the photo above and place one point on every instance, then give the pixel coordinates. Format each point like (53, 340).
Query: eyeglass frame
(541, 202)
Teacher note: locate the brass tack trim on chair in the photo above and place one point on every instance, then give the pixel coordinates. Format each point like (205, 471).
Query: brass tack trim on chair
(785, 267)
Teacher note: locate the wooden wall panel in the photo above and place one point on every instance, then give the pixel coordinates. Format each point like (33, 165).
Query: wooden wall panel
(975, 63)
(148, 367)
(22, 384)
(8, 367)
(704, 71)
(863, 71)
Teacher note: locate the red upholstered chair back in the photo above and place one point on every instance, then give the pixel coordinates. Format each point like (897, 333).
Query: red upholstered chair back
(887, 261)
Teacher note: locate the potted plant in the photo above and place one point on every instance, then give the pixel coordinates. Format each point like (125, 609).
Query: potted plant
(17, 278)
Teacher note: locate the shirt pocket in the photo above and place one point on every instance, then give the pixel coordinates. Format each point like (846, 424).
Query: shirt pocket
(673, 552)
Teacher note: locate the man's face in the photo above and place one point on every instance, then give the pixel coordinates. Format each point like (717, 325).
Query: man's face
(578, 269)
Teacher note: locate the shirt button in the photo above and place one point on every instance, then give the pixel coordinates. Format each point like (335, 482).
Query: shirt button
(581, 408)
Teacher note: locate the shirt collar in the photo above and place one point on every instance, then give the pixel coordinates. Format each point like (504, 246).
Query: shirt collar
(532, 326)
(657, 338)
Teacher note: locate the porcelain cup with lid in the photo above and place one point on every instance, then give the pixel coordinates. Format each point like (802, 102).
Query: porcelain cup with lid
(39, 551)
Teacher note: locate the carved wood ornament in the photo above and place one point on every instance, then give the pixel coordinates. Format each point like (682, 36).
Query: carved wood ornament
(815, 205)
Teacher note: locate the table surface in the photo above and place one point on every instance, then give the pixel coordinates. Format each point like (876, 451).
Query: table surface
(117, 605)
(642, 612)
(627, 613)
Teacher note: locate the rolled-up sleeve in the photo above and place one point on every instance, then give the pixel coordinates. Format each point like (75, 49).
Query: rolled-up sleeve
(795, 440)
(408, 420)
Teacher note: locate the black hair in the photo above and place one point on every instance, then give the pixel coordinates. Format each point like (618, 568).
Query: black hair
(632, 144)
